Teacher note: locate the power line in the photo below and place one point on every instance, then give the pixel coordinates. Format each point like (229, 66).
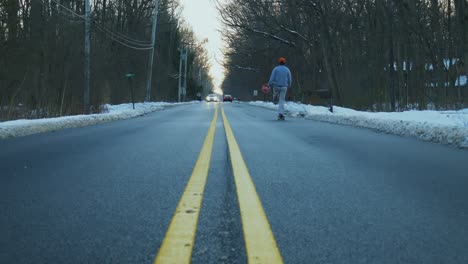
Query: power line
(112, 34)
(131, 47)
(66, 16)
(103, 28)
(124, 36)
(117, 37)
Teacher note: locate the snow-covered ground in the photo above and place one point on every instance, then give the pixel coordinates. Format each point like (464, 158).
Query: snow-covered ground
(18, 128)
(447, 127)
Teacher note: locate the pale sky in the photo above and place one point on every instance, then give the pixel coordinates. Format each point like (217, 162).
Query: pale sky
(202, 16)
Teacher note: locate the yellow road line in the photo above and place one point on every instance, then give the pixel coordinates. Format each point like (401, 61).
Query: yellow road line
(178, 243)
(259, 240)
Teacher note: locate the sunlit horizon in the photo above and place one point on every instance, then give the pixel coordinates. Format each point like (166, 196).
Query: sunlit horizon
(202, 16)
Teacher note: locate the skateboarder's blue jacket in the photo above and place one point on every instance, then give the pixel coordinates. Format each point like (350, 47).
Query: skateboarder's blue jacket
(280, 76)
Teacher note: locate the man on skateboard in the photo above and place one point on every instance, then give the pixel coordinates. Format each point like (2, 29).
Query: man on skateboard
(280, 80)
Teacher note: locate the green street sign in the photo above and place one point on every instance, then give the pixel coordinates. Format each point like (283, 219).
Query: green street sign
(129, 75)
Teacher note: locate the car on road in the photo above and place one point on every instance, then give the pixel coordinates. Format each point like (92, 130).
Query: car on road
(227, 98)
(212, 98)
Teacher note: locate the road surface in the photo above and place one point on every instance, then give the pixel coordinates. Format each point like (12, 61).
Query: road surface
(228, 188)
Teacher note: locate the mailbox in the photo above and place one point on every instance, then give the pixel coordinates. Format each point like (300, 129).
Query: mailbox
(326, 94)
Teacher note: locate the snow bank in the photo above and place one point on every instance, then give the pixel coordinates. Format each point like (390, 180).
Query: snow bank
(18, 128)
(447, 127)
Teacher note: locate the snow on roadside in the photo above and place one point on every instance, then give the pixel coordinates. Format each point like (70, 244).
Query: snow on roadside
(447, 127)
(24, 127)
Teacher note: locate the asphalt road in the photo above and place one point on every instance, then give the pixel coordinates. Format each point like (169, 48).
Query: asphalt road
(331, 194)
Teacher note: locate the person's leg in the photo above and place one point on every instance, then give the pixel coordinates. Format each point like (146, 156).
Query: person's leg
(282, 99)
(275, 94)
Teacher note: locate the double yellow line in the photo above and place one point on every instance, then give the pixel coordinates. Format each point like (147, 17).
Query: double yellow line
(178, 243)
(260, 243)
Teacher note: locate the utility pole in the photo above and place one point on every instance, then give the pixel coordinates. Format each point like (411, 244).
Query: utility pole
(87, 60)
(199, 75)
(185, 75)
(180, 75)
(151, 57)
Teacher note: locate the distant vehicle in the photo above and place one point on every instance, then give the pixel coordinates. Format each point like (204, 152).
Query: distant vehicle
(227, 97)
(212, 98)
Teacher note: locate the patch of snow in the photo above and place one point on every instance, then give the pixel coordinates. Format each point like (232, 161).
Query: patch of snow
(24, 127)
(461, 80)
(448, 64)
(447, 127)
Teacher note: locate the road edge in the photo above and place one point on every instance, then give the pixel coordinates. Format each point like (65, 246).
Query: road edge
(39, 126)
(458, 137)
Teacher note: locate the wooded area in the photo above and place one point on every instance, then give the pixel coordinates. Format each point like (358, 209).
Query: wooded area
(42, 55)
(372, 54)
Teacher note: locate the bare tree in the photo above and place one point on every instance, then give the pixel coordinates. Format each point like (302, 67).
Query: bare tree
(41, 54)
(372, 54)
